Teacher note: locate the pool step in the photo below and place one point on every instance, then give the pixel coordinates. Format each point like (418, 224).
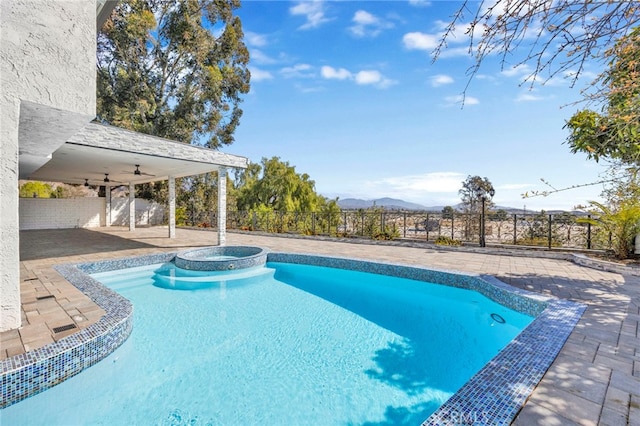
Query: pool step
(128, 278)
(180, 279)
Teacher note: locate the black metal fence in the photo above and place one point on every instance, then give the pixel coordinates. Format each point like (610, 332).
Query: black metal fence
(531, 229)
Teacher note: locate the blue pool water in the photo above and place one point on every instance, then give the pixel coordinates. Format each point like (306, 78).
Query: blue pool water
(286, 344)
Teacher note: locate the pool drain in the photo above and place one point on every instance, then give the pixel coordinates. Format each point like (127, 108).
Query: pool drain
(497, 318)
(64, 328)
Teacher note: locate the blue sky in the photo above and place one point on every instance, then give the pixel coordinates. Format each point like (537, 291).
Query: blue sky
(347, 92)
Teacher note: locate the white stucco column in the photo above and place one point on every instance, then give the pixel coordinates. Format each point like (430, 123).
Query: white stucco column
(172, 207)
(132, 207)
(107, 209)
(9, 223)
(222, 206)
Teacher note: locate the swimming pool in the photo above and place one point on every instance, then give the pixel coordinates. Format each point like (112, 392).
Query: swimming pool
(390, 356)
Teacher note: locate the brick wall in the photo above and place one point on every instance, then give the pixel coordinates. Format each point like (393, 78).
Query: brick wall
(56, 213)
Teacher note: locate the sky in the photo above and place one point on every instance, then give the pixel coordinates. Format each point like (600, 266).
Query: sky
(348, 93)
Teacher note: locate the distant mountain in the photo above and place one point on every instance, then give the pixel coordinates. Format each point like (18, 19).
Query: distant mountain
(386, 203)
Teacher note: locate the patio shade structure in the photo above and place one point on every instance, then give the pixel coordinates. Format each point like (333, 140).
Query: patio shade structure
(98, 151)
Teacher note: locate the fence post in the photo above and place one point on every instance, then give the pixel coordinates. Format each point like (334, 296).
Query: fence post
(404, 225)
(313, 223)
(589, 233)
(382, 222)
(344, 221)
(515, 226)
(549, 230)
(426, 228)
(453, 220)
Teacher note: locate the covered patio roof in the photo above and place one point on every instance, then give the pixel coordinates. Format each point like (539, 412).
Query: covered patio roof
(98, 150)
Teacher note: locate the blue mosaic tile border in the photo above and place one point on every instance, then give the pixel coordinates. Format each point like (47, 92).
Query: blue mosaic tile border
(519, 300)
(493, 396)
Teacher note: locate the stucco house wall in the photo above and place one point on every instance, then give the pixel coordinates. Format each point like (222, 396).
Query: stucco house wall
(47, 58)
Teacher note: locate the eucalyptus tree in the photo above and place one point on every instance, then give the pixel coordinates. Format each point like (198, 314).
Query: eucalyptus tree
(174, 69)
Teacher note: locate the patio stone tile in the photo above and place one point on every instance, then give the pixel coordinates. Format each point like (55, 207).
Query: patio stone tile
(594, 372)
(583, 350)
(634, 410)
(566, 404)
(38, 343)
(625, 382)
(33, 332)
(610, 417)
(13, 349)
(617, 400)
(577, 384)
(615, 362)
(534, 414)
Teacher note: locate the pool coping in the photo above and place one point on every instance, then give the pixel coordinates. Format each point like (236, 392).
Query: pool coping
(493, 396)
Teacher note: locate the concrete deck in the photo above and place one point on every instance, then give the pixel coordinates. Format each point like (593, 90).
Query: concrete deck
(595, 380)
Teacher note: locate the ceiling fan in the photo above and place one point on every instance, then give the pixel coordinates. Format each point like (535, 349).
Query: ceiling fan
(107, 180)
(137, 171)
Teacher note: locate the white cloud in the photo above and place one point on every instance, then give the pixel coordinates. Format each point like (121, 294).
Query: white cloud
(373, 77)
(420, 41)
(441, 80)
(368, 25)
(259, 57)
(362, 78)
(368, 77)
(298, 71)
(255, 39)
(419, 3)
(427, 182)
(429, 42)
(336, 74)
(363, 17)
(528, 97)
(259, 75)
(436, 187)
(514, 186)
(460, 100)
(313, 11)
(517, 71)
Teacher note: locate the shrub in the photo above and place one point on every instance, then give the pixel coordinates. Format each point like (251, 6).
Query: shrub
(443, 240)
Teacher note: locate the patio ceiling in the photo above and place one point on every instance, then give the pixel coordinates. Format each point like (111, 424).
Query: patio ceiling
(97, 150)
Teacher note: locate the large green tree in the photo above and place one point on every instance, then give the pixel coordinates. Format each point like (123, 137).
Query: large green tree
(175, 69)
(275, 184)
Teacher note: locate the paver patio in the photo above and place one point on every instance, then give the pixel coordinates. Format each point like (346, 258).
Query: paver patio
(595, 380)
